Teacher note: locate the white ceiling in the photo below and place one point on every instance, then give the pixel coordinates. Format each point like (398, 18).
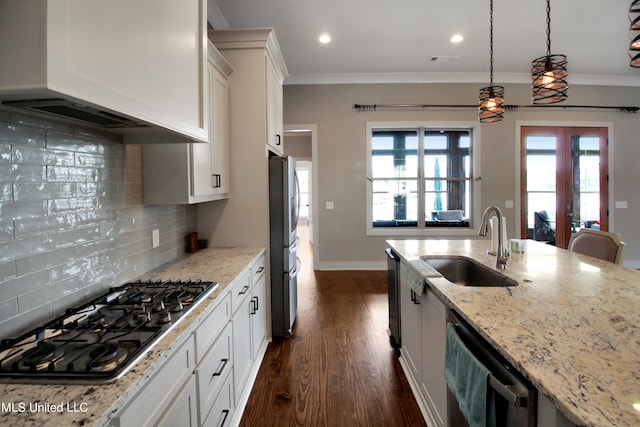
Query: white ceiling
(393, 40)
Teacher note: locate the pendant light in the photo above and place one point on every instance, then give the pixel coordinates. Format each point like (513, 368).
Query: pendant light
(634, 34)
(549, 73)
(491, 100)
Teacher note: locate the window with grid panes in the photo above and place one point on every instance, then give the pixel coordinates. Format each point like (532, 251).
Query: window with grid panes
(420, 178)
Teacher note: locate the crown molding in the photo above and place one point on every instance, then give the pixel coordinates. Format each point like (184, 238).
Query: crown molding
(380, 78)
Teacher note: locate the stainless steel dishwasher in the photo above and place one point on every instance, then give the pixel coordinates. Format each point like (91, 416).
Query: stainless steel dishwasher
(515, 397)
(393, 282)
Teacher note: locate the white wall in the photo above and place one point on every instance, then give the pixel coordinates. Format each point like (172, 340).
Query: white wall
(341, 154)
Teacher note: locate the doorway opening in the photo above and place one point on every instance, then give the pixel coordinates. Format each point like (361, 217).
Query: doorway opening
(564, 183)
(300, 143)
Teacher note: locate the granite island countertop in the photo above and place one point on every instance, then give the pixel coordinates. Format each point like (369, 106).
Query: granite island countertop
(95, 405)
(571, 326)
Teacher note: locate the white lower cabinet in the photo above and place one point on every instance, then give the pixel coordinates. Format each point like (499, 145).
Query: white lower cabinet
(241, 347)
(410, 324)
(258, 316)
(249, 325)
(434, 339)
(222, 409)
(157, 399)
(183, 409)
(207, 380)
(423, 320)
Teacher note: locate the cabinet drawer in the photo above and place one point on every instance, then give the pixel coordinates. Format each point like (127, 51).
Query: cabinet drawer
(240, 290)
(214, 369)
(223, 408)
(148, 405)
(210, 327)
(182, 411)
(258, 268)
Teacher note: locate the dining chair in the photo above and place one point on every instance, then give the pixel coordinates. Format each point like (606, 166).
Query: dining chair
(598, 244)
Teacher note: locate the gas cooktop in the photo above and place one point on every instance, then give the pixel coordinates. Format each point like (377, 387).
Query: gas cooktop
(98, 342)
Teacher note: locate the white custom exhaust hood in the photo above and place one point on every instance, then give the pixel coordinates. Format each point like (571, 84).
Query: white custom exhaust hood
(132, 67)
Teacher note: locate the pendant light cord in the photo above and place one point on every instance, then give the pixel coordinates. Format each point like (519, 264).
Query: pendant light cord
(548, 27)
(491, 42)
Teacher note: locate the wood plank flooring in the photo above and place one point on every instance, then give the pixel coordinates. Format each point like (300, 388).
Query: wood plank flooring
(337, 368)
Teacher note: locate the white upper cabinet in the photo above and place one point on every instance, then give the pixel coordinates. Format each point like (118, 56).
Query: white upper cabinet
(274, 109)
(259, 73)
(142, 61)
(194, 173)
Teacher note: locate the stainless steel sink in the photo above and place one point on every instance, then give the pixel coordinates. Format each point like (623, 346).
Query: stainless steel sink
(467, 272)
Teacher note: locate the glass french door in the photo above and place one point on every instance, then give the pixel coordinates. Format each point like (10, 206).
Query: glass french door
(564, 182)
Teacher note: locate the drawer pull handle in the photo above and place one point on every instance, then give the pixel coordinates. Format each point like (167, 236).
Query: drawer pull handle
(260, 270)
(244, 290)
(223, 364)
(225, 415)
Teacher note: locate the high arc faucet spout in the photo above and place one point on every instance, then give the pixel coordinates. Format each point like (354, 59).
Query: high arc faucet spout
(501, 255)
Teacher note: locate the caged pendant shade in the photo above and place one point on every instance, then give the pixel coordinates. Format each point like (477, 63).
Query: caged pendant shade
(491, 99)
(491, 107)
(634, 34)
(549, 73)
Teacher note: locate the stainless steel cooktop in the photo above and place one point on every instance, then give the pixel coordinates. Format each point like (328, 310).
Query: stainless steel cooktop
(99, 341)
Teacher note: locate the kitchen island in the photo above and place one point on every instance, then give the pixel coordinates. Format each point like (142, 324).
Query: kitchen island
(98, 404)
(571, 326)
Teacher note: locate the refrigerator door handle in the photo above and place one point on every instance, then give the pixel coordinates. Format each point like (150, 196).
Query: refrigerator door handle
(297, 215)
(296, 270)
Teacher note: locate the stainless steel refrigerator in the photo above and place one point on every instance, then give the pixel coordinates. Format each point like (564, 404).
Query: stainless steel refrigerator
(284, 207)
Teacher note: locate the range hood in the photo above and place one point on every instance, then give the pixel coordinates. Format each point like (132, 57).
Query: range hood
(75, 111)
(108, 64)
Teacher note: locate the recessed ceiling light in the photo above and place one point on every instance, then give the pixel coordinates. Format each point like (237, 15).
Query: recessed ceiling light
(324, 38)
(457, 38)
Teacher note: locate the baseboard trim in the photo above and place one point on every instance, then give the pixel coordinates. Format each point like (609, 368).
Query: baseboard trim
(351, 265)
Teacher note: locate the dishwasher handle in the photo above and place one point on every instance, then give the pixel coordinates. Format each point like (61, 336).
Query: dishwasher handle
(517, 393)
(390, 254)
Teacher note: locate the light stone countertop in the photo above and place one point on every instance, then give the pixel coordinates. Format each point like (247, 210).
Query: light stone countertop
(95, 405)
(572, 326)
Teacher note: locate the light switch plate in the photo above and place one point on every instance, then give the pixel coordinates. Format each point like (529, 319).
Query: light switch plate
(621, 204)
(155, 238)
(329, 205)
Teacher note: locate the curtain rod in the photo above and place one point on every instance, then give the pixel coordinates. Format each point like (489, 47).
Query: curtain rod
(375, 107)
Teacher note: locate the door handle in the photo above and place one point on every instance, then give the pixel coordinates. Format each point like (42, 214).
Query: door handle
(414, 297)
(255, 305)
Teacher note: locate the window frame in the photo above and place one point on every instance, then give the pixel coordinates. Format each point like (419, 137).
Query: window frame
(474, 182)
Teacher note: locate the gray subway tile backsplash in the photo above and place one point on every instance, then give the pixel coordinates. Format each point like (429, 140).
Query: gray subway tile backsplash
(72, 222)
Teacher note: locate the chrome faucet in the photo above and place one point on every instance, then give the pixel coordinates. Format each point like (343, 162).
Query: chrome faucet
(501, 255)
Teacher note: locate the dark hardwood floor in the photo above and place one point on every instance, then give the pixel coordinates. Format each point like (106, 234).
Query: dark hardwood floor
(337, 368)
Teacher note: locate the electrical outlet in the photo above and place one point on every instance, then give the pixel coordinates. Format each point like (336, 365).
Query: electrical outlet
(155, 238)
